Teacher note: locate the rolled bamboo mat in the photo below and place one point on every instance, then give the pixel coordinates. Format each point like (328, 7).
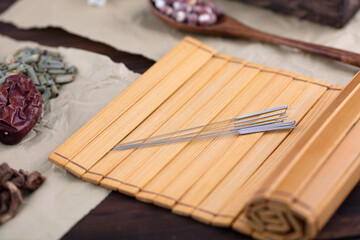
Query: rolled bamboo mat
(316, 174)
(269, 185)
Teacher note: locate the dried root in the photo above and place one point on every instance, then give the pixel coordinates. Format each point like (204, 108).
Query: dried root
(12, 186)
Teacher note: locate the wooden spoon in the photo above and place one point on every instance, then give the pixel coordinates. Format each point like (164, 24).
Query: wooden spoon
(228, 26)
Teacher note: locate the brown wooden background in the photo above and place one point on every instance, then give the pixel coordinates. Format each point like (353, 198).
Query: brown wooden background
(122, 217)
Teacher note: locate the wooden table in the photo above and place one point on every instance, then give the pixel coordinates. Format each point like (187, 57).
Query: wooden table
(122, 217)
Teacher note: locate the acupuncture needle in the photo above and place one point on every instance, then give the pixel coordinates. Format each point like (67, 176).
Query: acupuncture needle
(188, 136)
(258, 123)
(233, 131)
(262, 117)
(199, 134)
(220, 122)
(193, 134)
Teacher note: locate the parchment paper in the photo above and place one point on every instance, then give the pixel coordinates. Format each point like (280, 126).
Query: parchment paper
(130, 26)
(63, 199)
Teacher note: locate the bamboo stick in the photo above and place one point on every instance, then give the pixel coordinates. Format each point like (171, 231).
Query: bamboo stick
(138, 157)
(124, 101)
(157, 119)
(113, 134)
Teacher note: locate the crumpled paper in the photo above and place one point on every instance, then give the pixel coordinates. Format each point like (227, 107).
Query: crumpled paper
(129, 25)
(63, 199)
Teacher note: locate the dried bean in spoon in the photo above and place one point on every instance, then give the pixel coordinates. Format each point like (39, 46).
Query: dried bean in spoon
(191, 12)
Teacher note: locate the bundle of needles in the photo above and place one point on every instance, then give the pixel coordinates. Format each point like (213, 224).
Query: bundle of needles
(268, 120)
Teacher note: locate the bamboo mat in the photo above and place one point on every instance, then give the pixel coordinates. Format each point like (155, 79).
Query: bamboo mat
(224, 181)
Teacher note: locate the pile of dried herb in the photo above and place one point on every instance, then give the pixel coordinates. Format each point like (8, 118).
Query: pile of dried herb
(27, 78)
(46, 69)
(13, 184)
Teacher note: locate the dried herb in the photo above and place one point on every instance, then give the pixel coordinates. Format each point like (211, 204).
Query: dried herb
(13, 184)
(45, 69)
(20, 108)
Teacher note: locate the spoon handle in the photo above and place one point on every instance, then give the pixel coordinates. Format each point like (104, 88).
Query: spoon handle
(240, 30)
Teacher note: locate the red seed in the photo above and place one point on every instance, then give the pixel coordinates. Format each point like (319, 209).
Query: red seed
(192, 19)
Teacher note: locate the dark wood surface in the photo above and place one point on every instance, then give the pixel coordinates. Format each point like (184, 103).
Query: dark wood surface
(122, 217)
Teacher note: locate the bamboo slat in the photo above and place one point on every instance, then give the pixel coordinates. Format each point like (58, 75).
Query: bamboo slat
(274, 185)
